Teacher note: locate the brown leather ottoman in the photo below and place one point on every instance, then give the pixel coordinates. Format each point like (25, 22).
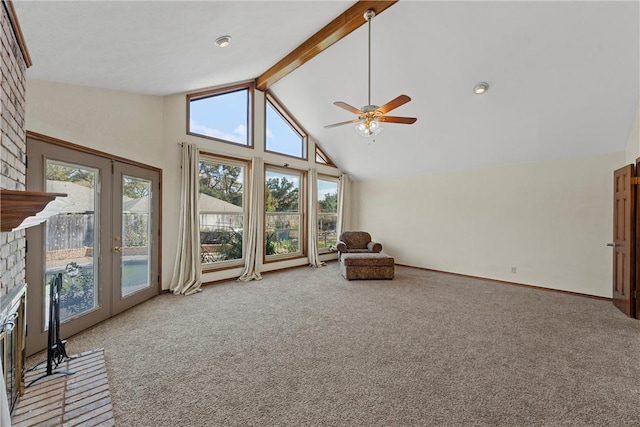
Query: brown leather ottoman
(366, 266)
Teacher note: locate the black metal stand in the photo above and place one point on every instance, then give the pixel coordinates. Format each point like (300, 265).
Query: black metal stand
(56, 352)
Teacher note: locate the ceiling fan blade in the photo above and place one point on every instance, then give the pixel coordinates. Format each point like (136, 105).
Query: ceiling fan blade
(394, 119)
(394, 103)
(348, 107)
(343, 123)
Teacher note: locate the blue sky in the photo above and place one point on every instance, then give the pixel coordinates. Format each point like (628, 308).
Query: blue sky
(222, 116)
(225, 117)
(281, 137)
(326, 187)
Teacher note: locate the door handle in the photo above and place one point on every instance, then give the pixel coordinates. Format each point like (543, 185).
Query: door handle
(117, 249)
(613, 245)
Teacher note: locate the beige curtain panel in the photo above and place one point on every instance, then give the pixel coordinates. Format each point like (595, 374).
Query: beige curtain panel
(187, 273)
(343, 210)
(314, 256)
(253, 247)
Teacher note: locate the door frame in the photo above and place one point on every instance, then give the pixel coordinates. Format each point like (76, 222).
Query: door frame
(35, 236)
(624, 239)
(635, 284)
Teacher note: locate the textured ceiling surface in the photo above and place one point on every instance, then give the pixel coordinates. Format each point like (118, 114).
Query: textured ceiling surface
(563, 76)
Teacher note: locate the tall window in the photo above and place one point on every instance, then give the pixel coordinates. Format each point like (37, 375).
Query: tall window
(327, 213)
(283, 134)
(223, 115)
(283, 206)
(221, 205)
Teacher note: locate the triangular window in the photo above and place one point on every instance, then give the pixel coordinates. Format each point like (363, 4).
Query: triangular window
(322, 158)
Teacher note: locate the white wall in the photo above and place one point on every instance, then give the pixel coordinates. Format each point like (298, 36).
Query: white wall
(146, 129)
(120, 123)
(633, 145)
(550, 220)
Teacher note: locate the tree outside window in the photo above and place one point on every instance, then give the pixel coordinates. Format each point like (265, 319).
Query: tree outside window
(327, 213)
(221, 206)
(283, 214)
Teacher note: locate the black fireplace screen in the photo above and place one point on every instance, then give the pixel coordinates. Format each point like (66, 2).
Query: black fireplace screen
(8, 349)
(12, 329)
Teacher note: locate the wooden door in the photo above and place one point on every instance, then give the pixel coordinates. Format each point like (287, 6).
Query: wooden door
(635, 283)
(624, 245)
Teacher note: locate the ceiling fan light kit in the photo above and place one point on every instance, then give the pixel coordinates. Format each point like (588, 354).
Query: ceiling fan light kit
(367, 129)
(370, 116)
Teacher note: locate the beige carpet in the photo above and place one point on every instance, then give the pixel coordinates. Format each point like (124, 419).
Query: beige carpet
(306, 347)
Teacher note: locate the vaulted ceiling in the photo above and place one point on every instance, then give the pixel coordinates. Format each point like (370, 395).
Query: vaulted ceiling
(563, 76)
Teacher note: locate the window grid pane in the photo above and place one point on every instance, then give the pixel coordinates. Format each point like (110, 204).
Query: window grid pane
(282, 234)
(283, 216)
(223, 116)
(221, 207)
(281, 136)
(327, 214)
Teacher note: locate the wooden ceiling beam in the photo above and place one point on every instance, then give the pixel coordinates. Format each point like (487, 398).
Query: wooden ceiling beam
(340, 27)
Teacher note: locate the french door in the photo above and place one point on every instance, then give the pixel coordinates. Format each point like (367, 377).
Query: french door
(104, 240)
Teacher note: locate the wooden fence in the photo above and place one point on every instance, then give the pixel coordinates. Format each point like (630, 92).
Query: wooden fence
(70, 231)
(76, 230)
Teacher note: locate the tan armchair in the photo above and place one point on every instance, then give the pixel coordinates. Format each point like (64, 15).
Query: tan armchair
(357, 241)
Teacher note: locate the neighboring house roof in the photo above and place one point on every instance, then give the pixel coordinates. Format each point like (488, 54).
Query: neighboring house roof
(79, 198)
(207, 203)
(140, 205)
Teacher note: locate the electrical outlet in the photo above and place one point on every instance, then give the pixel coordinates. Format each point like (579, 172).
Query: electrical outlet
(513, 270)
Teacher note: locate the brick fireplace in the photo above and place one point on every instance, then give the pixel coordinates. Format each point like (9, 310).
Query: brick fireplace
(15, 61)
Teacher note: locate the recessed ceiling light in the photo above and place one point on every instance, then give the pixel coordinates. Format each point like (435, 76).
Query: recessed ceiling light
(223, 41)
(480, 88)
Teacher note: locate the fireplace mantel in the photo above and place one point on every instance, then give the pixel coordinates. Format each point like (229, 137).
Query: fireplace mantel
(16, 205)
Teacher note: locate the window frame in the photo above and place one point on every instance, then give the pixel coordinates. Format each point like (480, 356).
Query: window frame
(302, 203)
(329, 178)
(232, 161)
(249, 87)
(288, 118)
(319, 152)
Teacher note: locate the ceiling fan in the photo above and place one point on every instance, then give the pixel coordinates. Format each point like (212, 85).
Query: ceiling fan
(370, 116)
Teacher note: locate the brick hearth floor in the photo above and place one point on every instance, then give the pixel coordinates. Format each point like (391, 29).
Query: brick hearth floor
(81, 399)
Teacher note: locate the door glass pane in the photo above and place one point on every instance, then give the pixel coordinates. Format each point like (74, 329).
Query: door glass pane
(136, 235)
(71, 244)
